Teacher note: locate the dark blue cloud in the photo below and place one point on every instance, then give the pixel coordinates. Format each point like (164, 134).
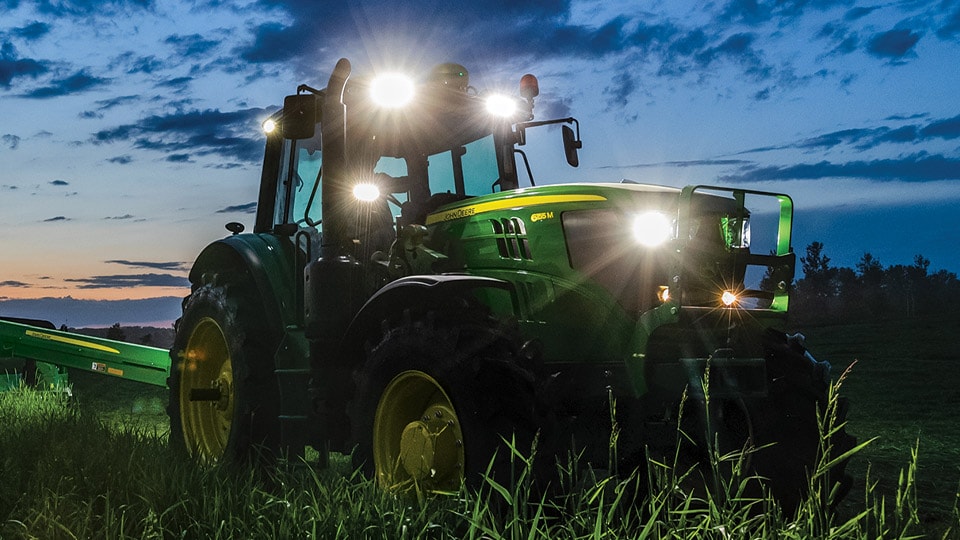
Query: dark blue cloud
(59, 183)
(77, 83)
(10, 141)
(32, 31)
(165, 265)
(178, 83)
(867, 138)
(618, 93)
(105, 104)
(118, 281)
(178, 158)
(145, 64)
(893, 44)
(944, 129)
(55, 219)
(916, 168)
(191, 45)
(84, 8)
(12, 66)
(182, 134)
(756, 12)
(120, 160)
(903, 134)
(248, 208)
(682, 164)
(858, 13)
(951, 27)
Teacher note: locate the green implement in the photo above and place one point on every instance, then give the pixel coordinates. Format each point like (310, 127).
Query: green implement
(114, 358)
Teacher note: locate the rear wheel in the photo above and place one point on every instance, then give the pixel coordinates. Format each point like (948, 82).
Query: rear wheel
(223, 398)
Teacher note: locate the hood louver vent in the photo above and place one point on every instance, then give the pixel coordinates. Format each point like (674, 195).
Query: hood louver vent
(511, 238)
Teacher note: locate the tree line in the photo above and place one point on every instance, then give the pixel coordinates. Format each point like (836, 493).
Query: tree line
(870, 291)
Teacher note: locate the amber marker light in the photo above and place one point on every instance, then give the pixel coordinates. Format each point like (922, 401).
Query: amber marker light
(663, 294)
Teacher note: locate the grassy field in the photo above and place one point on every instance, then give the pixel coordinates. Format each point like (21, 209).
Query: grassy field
(99, 467)
(904, 388)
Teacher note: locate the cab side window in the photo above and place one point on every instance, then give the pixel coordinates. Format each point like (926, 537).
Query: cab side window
(298, 189)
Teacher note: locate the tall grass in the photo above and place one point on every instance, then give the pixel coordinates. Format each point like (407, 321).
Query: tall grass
(65, 474)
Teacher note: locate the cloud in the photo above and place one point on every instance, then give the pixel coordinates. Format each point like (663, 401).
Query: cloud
(681, 164)
(179, 83)
(125, 216)
(182, 134)
(77, 83)
(952, 27)
(916, 168)
(106, 104)
(12, 66)
(132, 63)
(619, 91)
(10, 141)
(436, 29)
(171, 265)
(119, 281)
(868, 138)
(59, 183)
(86, 8)
(178, 158)
(32, 31)
(15, 284)
(248, 208)
(944, 129)
(893, 44)
(56, 218)
(191, 45)
(856, 13)
(120, 160)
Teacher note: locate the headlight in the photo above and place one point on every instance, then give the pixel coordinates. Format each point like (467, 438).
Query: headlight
(391, 90)
(366, 192)
(736, 231)
(728, 298)
(268, 125)
(652, 229)
(501, 105)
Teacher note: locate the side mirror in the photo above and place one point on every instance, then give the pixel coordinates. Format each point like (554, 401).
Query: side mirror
(299, 119)
(571, 144)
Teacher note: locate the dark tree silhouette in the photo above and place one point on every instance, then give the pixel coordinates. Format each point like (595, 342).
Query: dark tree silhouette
(871, 292)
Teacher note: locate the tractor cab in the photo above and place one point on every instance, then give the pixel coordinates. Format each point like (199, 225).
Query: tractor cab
(365, 155)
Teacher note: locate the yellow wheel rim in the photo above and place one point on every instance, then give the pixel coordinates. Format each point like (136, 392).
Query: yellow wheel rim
(206, 391)
(417, 437)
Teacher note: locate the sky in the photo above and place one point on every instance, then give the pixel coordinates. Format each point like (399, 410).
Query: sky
(129, 129)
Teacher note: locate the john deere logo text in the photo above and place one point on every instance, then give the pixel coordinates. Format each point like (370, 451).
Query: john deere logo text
(540, 216)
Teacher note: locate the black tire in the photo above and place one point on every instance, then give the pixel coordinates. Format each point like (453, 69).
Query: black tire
(223, 401)
(787, 420)
(475, 365)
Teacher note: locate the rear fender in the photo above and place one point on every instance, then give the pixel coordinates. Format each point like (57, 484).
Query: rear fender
(261, 261)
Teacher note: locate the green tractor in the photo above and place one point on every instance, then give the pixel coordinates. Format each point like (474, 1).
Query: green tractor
(410, 296)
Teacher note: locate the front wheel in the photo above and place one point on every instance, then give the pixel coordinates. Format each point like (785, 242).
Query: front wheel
(417, 436)
(437, 404)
